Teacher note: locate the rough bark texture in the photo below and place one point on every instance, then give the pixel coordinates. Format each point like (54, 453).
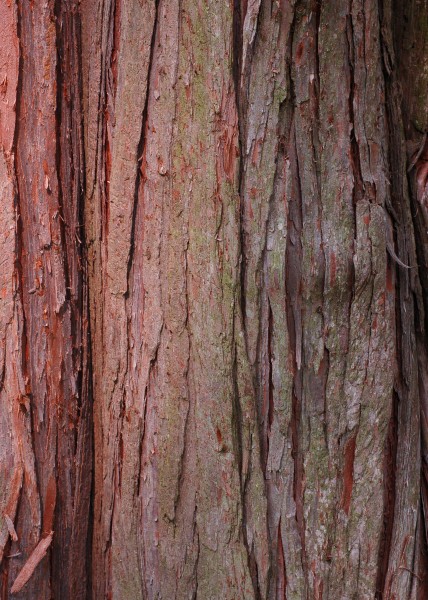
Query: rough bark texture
(45, 426)
(214, 260)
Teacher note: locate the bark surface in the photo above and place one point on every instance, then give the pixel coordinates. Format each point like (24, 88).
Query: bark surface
(45, 424)
(213, 299)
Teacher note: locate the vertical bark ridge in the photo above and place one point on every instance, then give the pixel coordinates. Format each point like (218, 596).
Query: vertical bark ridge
(16, 456)
(115, 90)
(264, 180)
(45, 377)
(160, 380)
(406, 40)
(352, 306)
(405, 555)
(75, 581)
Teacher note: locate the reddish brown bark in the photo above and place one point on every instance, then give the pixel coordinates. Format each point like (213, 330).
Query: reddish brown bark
(213, 233)
(46, 472)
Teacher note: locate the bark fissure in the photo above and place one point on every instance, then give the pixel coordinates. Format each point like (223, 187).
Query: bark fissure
(140, 175)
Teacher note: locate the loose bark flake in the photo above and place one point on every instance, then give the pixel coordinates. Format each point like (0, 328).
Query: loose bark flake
(33, 560)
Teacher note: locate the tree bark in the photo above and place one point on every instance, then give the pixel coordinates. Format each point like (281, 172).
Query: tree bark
(45, 402)
(213, 300)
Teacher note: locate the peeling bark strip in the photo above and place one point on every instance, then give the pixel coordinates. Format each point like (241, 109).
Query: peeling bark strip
(11, 528)
(28, 569)
(214, 224)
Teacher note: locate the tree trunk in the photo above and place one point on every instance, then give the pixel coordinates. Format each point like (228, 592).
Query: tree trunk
(213, 300)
